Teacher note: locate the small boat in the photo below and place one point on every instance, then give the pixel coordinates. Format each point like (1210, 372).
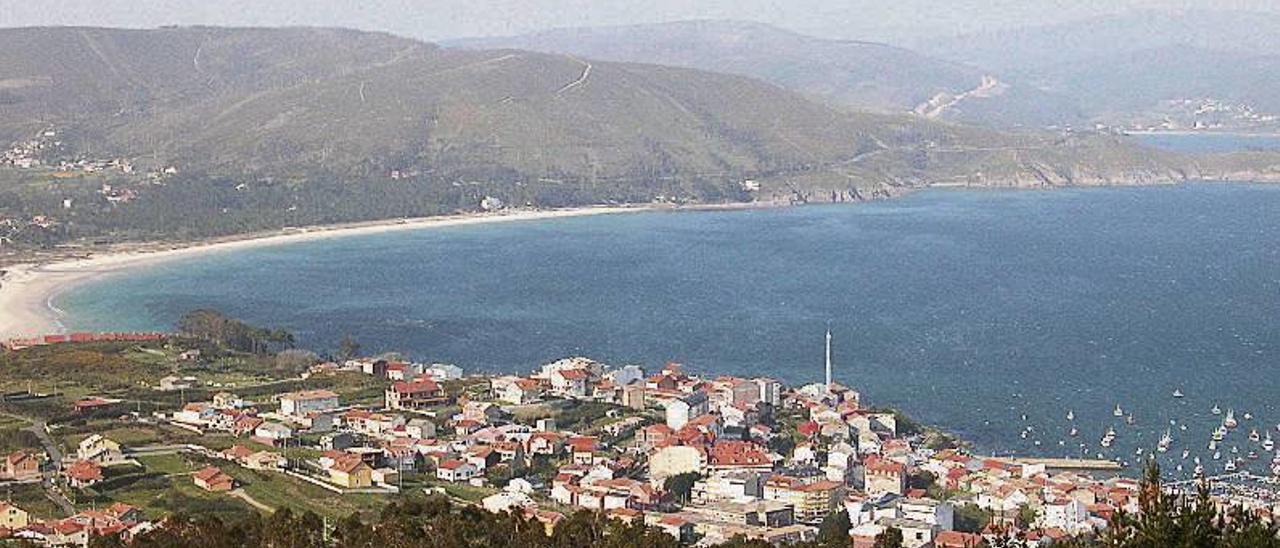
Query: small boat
(1254, 437)
(1217, 455)
(1177, 393)
(1073, 433)
(1071, 415)
(1182, 427)
(1106, 442)
(1230, 420)
(1235, 450)
(1118, 412)
(1129, 419)
(1199, 471)
(1213, 445)
(1185, 453)
(1138, 452)
(1163, 445)
(1275, 469)
(1248, 416)
(1219, 433)
(1253, 455)
(1267, 444)
(1217, 411)
(1230, 466)
(1179, 468)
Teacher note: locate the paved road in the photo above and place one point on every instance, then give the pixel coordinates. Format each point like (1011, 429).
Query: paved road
(51, 490)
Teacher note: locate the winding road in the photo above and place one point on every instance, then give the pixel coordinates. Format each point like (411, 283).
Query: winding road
(586, 73)
(51, 490)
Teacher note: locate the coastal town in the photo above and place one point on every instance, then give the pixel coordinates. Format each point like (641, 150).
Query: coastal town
(705, 459)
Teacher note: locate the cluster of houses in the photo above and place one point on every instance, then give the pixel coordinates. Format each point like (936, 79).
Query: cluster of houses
(119, 519)
(81, 469)
(771, 463)
(704, 459)
(36, 152)
(27, 154)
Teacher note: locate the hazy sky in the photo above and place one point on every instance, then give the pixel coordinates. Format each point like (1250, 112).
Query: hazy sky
(889, 20)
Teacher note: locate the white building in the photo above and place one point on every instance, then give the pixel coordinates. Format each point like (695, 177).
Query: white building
(939, 514)
(443, 372)
(728, 486)
(915, 534)
(625, 375)
(456, 471)
(308, 401)
(770, 391)
(680, 411)
(506, 501)
(273, 431)
(1069, 515)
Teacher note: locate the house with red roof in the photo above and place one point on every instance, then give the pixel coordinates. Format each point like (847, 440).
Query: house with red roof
(419, 393)
(83, 473)
(20, 466)
(351, 471)
(957, 539)
(885, 476)
(544, 443)
(246, 424)
(213, 480)
(570, 383)
(653, 436)
(455, 470)
(583, 449)
(738, 455)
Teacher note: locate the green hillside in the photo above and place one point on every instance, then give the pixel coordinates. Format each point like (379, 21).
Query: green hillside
(266, 128)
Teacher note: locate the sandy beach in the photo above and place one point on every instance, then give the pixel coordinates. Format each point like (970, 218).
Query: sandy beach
(27, 291)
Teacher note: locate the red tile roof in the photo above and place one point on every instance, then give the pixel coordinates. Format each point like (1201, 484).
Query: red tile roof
(738, 453)
(574, 374)
(84, 471)
(416, 386)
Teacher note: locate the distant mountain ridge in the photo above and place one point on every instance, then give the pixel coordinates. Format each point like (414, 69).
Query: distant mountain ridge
(859, 75)
(1040, 46)
(266, 128)
(331, 103)
(1123, 70)
(358, 104)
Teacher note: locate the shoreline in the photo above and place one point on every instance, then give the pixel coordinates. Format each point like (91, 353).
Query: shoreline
(28, 290)
(1193, 133)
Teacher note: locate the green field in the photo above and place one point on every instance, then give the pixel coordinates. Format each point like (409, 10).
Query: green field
(31, 497)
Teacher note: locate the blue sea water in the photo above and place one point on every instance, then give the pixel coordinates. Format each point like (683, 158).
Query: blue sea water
(967, 309)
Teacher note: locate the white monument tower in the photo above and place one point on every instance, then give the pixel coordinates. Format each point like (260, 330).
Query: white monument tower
(828, 359)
